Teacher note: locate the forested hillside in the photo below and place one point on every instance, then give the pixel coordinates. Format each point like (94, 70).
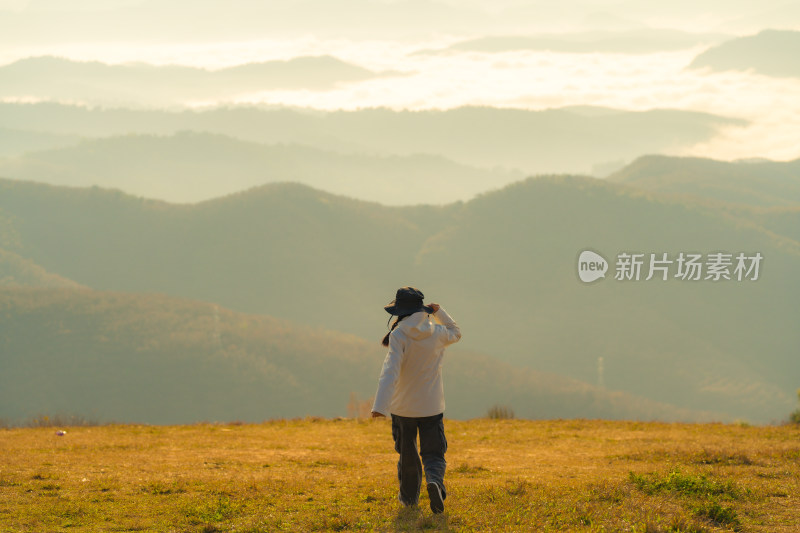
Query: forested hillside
(504, 264)
(750, 183)
(154, 359)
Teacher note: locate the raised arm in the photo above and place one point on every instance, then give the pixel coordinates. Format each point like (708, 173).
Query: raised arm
(453, 331)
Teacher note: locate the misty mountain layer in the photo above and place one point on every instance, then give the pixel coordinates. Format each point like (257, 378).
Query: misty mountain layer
(574, 139)
(160, 360)
(143, 85)
(771, 52)
(191, 167)
(504, 264)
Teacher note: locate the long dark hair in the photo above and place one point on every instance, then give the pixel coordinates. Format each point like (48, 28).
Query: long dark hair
(385, 340)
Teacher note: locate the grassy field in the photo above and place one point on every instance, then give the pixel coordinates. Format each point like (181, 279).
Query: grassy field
(340, 475)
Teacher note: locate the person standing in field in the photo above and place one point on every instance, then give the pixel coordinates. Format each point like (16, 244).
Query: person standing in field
(410, 389)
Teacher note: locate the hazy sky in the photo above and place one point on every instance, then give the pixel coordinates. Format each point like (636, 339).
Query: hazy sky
(54, 20)
(387, 34)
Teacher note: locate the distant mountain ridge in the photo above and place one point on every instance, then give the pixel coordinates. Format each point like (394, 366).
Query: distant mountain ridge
(504, 263)
(770, 52)
(137, 84)
(757, 183)
(191, 167)
(766, 193)
(571, 140)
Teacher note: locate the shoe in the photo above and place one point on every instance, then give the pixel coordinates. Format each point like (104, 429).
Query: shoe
(435, 495)
(403, 502)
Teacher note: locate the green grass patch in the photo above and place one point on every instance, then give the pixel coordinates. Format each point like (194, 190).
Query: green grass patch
(700, 494)
(719, 515)
(213, 510)
(159, 488)
(467, 469)
(677, 482)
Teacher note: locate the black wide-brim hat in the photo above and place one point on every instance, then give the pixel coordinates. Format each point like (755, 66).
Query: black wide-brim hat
(408, 300)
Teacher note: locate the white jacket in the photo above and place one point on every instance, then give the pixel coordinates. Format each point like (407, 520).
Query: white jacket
(411, 379)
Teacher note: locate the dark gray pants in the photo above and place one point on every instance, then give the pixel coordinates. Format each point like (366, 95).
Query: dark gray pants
(432, 446)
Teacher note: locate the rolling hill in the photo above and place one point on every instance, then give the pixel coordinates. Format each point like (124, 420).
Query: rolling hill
(766, 193)
(781, 220)
(752, 183)
(771, 52)
(191, 167)
(155, 359)
(274, 248)
(699, 343)
(503, 263)
(16, 271)
(143, 85)
(553, 140)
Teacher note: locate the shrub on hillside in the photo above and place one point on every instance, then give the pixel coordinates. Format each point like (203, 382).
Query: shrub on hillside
(500, 412)
(794, 418)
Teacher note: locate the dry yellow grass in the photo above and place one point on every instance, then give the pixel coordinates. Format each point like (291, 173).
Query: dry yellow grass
(340, 475)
